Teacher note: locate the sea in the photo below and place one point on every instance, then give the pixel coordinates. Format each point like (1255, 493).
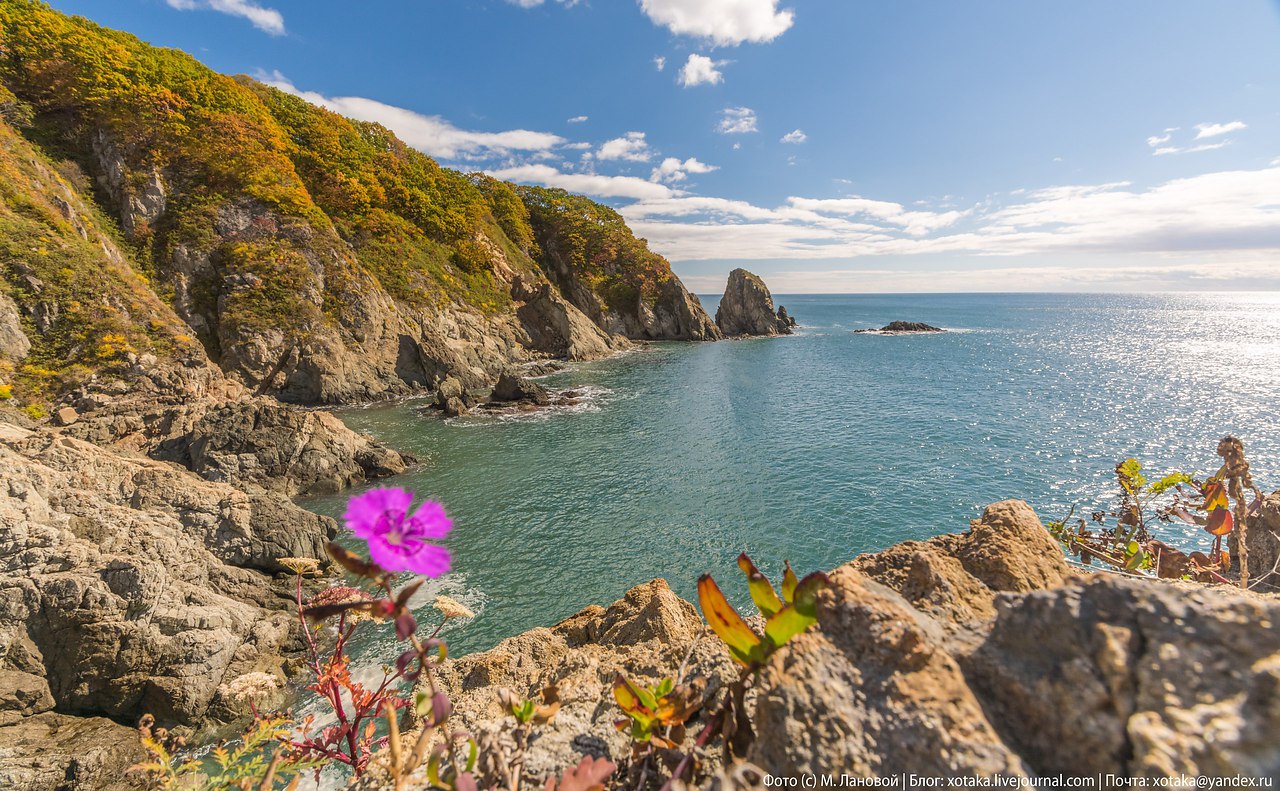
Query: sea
(825, 444)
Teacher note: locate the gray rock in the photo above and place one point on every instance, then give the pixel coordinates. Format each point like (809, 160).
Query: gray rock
(129, 584)
(904, 327)
(14, 344)
(1135, 677)
(65, 416)
(262, 444)
(1263, 540)
(747, 308)
(645, 635)
(512, 387)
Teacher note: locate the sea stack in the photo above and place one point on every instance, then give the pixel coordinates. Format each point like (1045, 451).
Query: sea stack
(747, 308)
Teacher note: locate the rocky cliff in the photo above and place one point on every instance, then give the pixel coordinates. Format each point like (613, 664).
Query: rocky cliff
(129, 585)
(747, 308)
(973, 654)
(307, 256)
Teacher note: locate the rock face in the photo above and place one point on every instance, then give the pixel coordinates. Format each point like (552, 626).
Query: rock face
(131, 585)
(747, 308)
(14, 343)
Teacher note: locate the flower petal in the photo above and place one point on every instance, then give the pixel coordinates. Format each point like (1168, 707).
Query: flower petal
(365, 512)
(388, 556)
(429, 560)
(430, 521)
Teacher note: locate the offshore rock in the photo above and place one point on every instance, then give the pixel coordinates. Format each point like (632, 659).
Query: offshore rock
(904, 327)
(747, 308)
(512, 387)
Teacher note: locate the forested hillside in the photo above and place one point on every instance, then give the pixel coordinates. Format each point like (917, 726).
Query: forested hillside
(313, 257)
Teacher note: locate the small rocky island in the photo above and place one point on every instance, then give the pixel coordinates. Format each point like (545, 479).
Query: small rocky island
(902, 328)
(747, 308)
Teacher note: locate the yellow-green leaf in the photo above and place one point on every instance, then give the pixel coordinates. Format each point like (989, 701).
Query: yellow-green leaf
(789, 582)
(787, 624)
(762, 592)
(725, 621)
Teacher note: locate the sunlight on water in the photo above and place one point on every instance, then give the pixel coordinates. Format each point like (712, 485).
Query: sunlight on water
(827, 444)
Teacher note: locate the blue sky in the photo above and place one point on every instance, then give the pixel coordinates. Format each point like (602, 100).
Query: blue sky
(829, 145)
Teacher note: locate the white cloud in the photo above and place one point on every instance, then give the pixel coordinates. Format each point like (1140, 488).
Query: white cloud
(577, 119)
(701, 70)
(1227, 215)
(586, 183)
(1163, 145)
(660, 62)
(1213, 130)
(430, 134)
(631, 147)
(267, 20)
(795, 137)
(672, 170)
(723, 22)
(737, 121)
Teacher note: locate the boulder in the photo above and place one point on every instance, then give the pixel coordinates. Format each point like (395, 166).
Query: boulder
(57, 752)
(22, 695)
(451, 397)
(747, 308)
(512, 387)
(955, 577)
(65, 416)
(1140, 678)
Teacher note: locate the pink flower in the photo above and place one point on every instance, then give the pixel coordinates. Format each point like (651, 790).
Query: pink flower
(397, 540)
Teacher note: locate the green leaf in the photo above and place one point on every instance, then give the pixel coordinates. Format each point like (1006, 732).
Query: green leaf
(805, 598)
(1168, 482)
(787, 624)
(664, 687)
(726, 622)
(762, 592)
(1130, 474)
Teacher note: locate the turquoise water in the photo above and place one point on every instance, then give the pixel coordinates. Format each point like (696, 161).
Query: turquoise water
(826, 444)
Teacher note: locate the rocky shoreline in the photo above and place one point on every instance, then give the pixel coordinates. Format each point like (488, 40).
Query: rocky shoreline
(977, 654)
